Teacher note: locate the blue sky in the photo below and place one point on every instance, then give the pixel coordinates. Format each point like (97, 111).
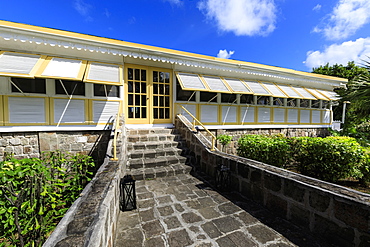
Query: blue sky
(296, 34)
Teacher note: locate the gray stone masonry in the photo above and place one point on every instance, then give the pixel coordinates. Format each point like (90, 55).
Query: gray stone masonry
(184, 211)
(335, 213)
(155, 152)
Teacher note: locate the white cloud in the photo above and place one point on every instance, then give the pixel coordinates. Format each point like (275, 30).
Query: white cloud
(357, 51)
(225, 54)
(82, 7)
(317, 7)
(175, 2)
(347, 17)
(243, 17)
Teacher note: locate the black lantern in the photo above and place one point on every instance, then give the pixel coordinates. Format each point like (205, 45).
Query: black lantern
(223, 177)
(127, 193)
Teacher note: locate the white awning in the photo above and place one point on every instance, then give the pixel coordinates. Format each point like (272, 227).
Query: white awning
(275, 90)
(216, 84)
(191, 82)
(237, 86)
(315, 93)
(329, 94)
(290, 92)
(302, 91)
(257, 88)
(62, 68)
(19, 64)
(104, 73)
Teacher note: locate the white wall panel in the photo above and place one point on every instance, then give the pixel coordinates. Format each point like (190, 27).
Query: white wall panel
(305, 116)
(316, 116)
(208, 113)
(26, 110)
(264, 115)
(192, 109)
(279, 115)
(247, 114)
(66, 111)
(105, 111)
(292, 116)
(229, 114)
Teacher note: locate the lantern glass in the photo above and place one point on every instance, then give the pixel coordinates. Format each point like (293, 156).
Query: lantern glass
(127, 193)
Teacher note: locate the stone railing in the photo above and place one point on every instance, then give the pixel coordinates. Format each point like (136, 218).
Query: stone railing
(335, 213)
(92, 219)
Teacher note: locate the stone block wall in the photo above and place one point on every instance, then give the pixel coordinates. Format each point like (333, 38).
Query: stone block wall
(92, 219)
(238, 133)
(335, 213)
(31, 145)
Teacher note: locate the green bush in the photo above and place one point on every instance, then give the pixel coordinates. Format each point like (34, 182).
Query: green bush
(330, 158)
(273, 150)
(35, 194)
(224, 140)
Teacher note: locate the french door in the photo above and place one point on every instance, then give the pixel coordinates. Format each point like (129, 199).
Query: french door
(148, 95)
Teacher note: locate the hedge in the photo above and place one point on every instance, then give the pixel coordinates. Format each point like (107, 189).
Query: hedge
(330, 158)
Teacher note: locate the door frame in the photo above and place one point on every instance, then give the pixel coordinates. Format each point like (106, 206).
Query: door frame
(150, 97)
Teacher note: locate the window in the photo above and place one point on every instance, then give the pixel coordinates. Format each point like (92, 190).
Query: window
(69, 87)
(23, 85)
(263, 100)
(325, 104)
(184, 95)
(208, 97)
(103, 90)
(246, 99)
(305, 103)
(278, 101)
(291, 102)
(315, 103)
(228, 98)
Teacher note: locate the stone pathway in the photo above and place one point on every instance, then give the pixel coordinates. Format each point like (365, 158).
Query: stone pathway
(183, 211)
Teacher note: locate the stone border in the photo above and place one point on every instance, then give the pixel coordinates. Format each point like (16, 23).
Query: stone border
(92, 219)
(335, 213)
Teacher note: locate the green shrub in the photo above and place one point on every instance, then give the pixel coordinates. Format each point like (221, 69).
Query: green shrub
(35, 194)
(330, 158)
(224, 139)
(272, 150)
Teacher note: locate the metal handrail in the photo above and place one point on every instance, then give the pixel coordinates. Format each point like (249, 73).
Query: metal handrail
(115, 138)
(204, 127)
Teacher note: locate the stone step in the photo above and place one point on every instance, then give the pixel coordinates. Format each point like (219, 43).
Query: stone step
(165, 171)
(154, 153)
(156, 162)
(155, 145)
(153, 138)
(151, 131)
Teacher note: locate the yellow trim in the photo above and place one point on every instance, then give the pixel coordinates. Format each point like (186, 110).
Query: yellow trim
(107, 41)
(89, 105)
(149, 94)
(2, 111)
(88, 67)
(207, 89)
(48, 60)
(33, 71)
(5, 109)
(258, 94)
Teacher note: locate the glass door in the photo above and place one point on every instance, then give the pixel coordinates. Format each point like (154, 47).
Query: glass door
(149, 97)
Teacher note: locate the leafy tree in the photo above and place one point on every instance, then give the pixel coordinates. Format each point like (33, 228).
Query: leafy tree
(357, 91)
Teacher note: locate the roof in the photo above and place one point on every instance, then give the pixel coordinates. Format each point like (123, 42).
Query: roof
(14, 31)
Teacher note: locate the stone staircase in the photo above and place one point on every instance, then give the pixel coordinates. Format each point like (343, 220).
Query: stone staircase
(156, 152)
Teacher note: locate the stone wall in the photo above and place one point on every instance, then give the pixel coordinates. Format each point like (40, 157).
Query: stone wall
(289, 132)
(335, 213)
(30, 145)
(92, 219)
